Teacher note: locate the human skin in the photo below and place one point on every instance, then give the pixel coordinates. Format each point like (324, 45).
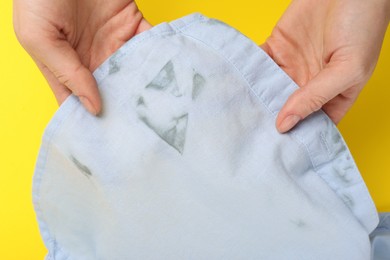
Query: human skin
(68, 39)
(330, 49)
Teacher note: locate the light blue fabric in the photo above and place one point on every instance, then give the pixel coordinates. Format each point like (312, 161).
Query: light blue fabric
(185, 161)
(380, 238)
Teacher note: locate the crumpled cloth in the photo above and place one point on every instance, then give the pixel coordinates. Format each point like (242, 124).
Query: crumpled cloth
(185, 161)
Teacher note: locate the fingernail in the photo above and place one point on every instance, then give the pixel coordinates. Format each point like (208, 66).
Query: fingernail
(88, 105)
(288, 123)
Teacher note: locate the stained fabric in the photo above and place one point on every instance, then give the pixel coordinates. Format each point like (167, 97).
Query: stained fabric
(185, 161)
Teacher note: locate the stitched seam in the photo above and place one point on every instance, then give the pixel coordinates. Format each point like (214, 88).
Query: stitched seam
(186, 26)
(326, 144)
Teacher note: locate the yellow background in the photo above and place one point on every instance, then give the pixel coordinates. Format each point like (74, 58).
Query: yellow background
(27, 104)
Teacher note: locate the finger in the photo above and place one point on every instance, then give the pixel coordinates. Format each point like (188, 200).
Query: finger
(60, 91)
(328, 83)
(64, 63)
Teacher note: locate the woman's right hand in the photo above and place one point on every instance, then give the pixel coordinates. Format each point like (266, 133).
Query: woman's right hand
(68, 39)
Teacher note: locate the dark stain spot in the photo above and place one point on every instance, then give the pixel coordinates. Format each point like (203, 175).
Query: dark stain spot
(299, 223)
(164, 79)
(175, 136)
(140, 101)
(198, 83)
(113, 64)
(84, 169)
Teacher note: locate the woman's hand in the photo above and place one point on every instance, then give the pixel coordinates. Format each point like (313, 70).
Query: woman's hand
(68, 39)
(330, 49)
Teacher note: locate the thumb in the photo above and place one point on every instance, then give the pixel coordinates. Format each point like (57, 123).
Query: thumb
(326, 85)
(65, 64)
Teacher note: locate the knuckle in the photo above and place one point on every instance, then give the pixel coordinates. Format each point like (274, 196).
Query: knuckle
(69, 76)
(67, 81)
(315, 102)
